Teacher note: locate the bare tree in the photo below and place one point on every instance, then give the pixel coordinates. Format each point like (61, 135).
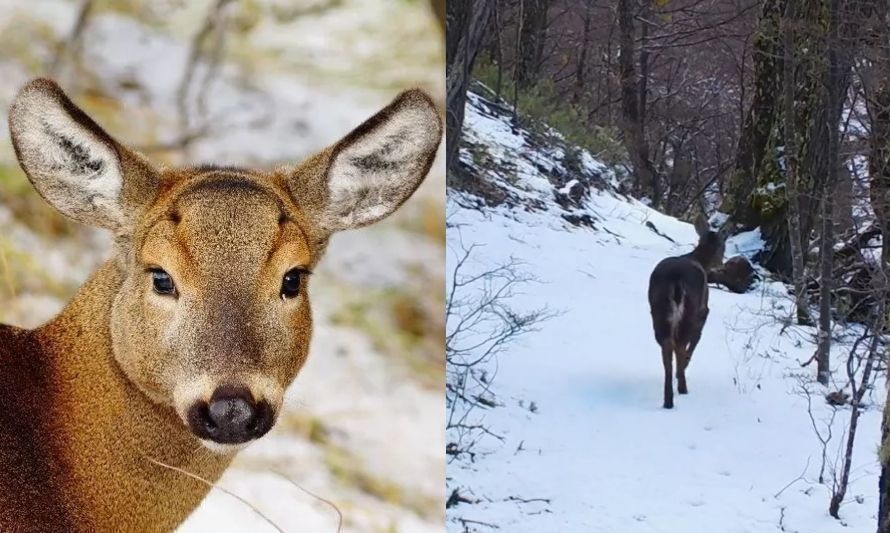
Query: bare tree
(836, 82)
(532, 38)
(633, 105)
(68, 49)
(480, 326)
(466, 25)
(792, 166)
(212, 30)
(859, 383)
(878, 103)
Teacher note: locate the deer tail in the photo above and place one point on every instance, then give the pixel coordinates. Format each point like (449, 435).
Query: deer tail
(678, 294)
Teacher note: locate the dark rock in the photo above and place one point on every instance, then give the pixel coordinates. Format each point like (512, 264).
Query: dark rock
(736, 274)
(837, 398)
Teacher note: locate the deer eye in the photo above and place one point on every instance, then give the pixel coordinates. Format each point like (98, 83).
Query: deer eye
(162, 282)
(290, 285)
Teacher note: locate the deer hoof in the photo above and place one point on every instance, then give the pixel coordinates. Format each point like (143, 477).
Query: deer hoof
(669, 405)
(682, 389)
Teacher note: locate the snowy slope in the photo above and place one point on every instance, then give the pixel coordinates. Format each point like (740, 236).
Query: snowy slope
(597, 452)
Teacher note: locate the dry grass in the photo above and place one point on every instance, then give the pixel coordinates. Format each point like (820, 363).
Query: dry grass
(304, 425)
(345, 467)
(17, 195)
(427, 220)
(404, 322)
(348, 470)
(21, 272)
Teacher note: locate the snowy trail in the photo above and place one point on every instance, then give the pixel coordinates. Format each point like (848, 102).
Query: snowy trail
(599, 446)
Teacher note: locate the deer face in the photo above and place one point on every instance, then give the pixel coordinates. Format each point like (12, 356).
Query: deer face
(212, 316)
(711, 244)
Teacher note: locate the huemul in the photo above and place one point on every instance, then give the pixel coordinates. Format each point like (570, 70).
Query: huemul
(678, 301)
(186, 338)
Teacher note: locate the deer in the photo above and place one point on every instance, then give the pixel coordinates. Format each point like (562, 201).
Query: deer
(678, 303)
(176, 352)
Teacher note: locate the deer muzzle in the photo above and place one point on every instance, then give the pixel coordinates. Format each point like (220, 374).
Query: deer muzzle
(231, 416)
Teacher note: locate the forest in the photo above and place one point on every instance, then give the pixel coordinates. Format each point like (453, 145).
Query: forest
(761, 114)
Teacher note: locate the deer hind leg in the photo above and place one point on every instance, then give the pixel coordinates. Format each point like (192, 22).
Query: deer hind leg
(667, 357)
(689, 334)
(695, 335)
(683, 355)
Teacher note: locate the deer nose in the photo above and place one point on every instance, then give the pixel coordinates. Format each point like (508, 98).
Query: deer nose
(232, 416)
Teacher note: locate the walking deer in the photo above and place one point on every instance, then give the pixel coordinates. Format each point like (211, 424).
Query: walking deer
(678, 301)
(186, 339)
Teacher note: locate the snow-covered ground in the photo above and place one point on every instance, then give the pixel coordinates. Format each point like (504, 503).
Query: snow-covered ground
(579, 440)
(363, 424)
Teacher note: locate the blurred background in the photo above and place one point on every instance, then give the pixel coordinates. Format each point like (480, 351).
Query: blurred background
(260, 83)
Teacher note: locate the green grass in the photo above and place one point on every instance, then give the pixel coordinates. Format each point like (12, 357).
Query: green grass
(543, 104)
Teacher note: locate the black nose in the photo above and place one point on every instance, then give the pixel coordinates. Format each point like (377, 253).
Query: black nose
(231, 416)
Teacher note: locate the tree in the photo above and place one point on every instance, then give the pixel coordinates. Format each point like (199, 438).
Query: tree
(878, 102)
(760, 119)
(836, 81)
(465, 28)
(532, 38)
(792, 166)
(633, 101)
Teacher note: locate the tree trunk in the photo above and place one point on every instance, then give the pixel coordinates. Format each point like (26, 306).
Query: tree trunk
(532, 38)
(759, 122)
(879, 172)
(472, 17)
(884, 480)
(792, 169)
(580, 79)
(69, 48)
(833, 98)
(764, 205)
(498, 50)
(644, 176)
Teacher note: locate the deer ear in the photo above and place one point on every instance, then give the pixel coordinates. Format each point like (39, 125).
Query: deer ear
(72, 162)
(725, 231)
(702, 226)
(373, 170)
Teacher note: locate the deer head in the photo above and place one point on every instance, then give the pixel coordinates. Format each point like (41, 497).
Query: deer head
(711, 244)
(212, 316)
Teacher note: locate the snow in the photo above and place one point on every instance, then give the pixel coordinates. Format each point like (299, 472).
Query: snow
(521, 157)
(599, 453)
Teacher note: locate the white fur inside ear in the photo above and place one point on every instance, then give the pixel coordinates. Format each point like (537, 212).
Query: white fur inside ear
(71, 166)
(378, 169)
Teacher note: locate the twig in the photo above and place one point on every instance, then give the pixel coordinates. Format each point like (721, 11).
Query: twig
(331, 504)
(217, 487)
(795, 480)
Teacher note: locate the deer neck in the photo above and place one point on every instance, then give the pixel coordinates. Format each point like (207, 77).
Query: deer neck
(701, 255)
(109, 436)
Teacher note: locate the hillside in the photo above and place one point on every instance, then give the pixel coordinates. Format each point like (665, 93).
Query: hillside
(573, 435)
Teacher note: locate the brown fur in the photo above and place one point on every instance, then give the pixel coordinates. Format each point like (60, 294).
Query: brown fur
(91, 400)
